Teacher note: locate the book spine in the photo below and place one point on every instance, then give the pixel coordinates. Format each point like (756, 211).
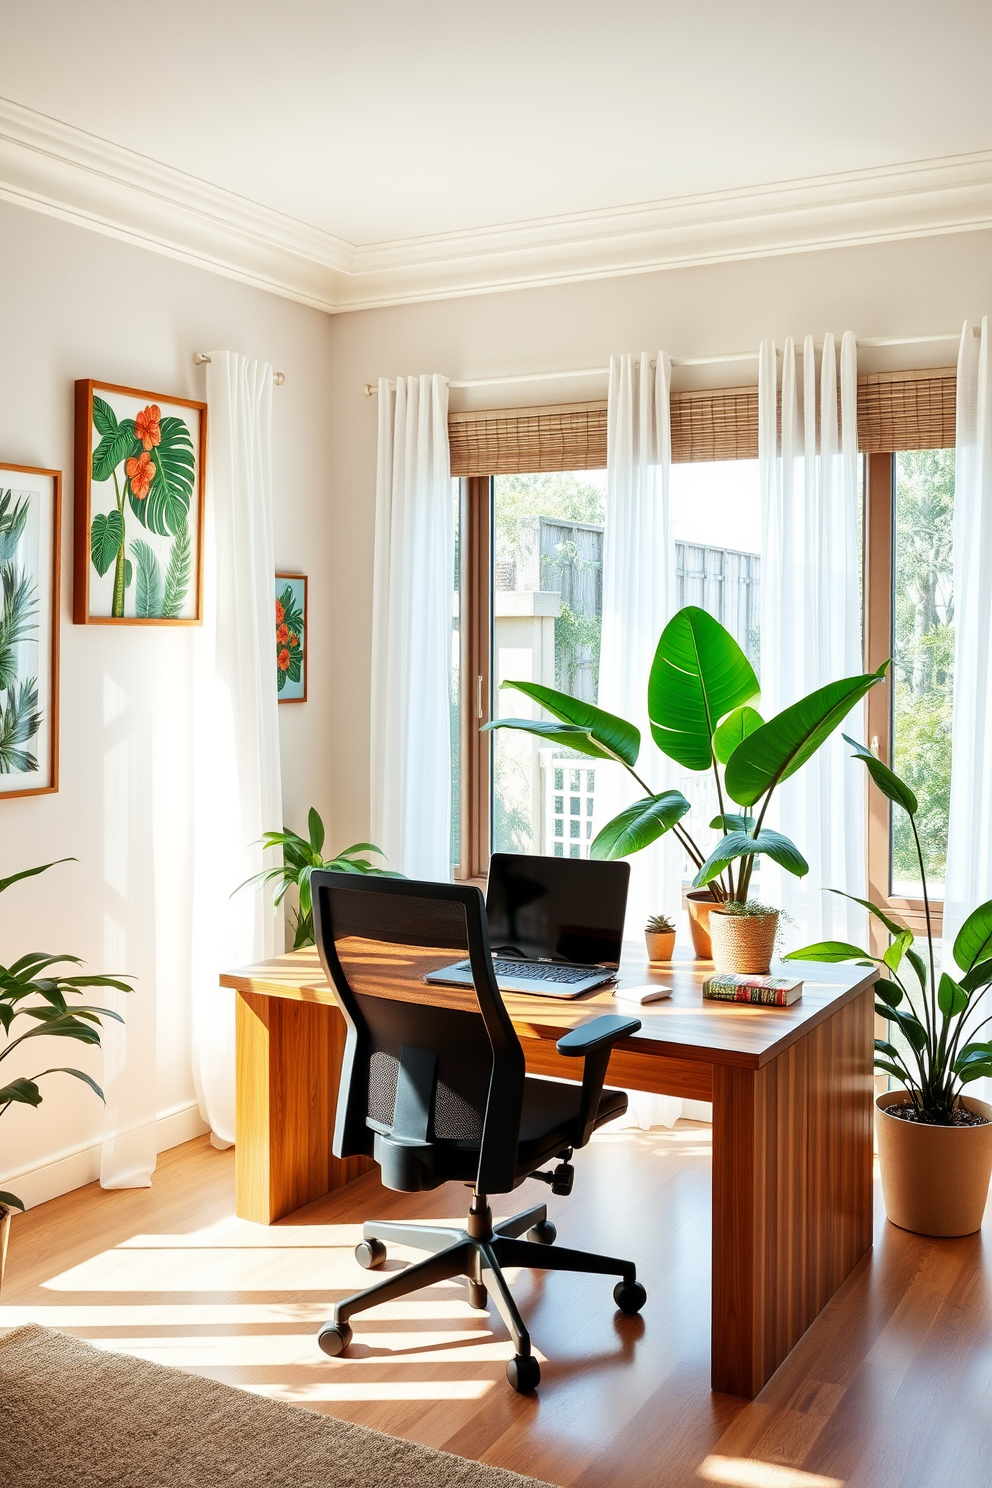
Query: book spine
(765, 996)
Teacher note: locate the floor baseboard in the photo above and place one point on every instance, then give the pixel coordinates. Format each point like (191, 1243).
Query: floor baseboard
(81, 1165)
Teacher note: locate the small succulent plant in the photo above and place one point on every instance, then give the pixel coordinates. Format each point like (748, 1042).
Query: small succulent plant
(660, 925)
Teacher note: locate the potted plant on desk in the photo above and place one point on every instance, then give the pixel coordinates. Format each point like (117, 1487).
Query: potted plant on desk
(934, 1142)
(701, 693)
(35, 987)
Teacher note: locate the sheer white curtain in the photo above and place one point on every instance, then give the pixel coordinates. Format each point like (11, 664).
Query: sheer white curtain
(811, 620)
(969, 847)
(638, 600)
(411, 629)
(237, 785)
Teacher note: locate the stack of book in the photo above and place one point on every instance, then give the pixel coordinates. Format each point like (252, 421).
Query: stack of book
(763, 991)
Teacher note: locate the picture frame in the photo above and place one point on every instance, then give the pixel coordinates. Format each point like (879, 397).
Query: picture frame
(31, 582)
(140, 463)
(291, 626)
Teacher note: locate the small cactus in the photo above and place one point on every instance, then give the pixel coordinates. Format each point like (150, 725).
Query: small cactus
(660, 925)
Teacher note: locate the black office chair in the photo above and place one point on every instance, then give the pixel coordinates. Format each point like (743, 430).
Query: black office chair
(433, 1088)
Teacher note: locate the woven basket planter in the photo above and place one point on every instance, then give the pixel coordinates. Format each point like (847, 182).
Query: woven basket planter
(743, 943)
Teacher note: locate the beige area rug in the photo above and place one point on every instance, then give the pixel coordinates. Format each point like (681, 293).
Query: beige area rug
(72, 1416)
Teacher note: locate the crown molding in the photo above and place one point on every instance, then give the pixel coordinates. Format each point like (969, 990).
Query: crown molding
(55, 168)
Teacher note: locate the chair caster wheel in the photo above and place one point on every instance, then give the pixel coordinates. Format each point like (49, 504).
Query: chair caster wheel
(370, 1253)
(524, 1373)
(629, 1296)
(334, 1338)
(543, 1233)
(477, 1296)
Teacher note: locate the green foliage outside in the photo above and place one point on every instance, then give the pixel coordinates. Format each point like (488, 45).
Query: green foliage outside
(923, 656)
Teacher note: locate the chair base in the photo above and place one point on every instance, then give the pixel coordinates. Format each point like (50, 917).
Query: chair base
(478, 1252)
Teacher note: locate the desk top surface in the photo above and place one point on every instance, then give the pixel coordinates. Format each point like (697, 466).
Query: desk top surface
(683, 1026)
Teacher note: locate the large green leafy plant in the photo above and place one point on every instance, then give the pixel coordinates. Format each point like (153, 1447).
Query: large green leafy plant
(151, 462)
(938, 1052)
(36, 988)
(300, 856)
(701, 695)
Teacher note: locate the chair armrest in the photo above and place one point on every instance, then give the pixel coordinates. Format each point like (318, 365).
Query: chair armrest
(597, 1033)
(594, 1041)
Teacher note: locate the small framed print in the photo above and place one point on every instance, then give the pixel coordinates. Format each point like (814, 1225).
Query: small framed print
(138, 541)
(30, 565)
(291, 637)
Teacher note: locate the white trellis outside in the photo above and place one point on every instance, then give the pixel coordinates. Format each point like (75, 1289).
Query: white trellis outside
(568, 786)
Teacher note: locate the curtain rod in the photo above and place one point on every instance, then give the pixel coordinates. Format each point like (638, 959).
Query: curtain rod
(699, 361)
(199, 357)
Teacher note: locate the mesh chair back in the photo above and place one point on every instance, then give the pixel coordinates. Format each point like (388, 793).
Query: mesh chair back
(378, 939)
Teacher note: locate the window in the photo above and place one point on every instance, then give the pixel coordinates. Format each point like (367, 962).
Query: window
(532, 508)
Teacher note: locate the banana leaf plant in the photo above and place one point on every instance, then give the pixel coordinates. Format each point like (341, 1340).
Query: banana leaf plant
(701, 695)
(35, 987)
(938, 1053)
(300, 856)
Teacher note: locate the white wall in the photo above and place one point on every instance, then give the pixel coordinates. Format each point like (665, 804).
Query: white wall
(77, 304)
(918, 287)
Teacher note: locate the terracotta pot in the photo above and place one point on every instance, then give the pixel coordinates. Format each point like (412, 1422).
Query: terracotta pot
(935, 1179)
(660, 943)
(5, 1214)
(743, 943)
(699, 902)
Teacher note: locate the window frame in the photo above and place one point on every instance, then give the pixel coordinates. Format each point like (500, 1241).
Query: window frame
(477, 630)
(879, 616)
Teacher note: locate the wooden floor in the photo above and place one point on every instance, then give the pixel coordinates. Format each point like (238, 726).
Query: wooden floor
(891, 1386)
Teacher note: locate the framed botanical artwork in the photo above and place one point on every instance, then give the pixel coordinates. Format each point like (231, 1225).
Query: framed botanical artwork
(30, 559)
(291, 637)
(138, 541)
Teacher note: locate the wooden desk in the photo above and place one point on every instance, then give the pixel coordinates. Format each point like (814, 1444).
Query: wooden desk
(792, 1098)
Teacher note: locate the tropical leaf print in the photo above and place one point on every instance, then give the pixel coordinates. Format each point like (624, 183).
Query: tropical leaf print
(164, 508)
(17, 619)
(148, 591)
(177, 575)
(12, 524)
(117, 440)
(106, 539)
(289, 638)
(20, 720)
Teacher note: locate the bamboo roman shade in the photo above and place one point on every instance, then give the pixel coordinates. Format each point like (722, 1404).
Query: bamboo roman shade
(896, 411)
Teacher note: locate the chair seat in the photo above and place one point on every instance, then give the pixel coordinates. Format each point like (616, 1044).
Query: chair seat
(549, 1120)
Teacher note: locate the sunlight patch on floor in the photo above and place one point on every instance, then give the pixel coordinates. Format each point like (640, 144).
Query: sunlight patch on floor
(221, 1314)
(251, 1350)
(348, 1390)
(745, 1472)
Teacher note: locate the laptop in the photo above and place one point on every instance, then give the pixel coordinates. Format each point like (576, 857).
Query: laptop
(555, 925)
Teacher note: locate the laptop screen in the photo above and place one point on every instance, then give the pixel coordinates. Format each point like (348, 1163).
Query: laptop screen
(558, 909)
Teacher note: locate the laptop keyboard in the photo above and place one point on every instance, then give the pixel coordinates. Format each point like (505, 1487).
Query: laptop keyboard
(541, 971)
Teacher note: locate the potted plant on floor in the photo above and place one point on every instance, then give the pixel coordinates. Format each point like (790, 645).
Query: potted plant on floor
(934, 1142)
(35, 987)
(659, 933)
(300, 856)
(701, 693)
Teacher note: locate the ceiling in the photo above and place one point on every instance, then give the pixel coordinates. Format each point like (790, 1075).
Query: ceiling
(360, 135)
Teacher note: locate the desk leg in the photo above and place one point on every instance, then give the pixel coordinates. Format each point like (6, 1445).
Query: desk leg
(792, 1192)
(288, 1059)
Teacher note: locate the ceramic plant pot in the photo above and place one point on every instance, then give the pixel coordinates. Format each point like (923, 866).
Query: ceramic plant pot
(699, 902)
(5, 1215)
(743, 943)
(935, 1179)
(660, 943)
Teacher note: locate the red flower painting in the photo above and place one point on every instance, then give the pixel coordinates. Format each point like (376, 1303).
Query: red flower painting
(148, 426)
(140, 472)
